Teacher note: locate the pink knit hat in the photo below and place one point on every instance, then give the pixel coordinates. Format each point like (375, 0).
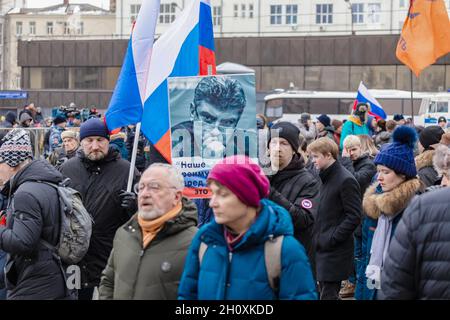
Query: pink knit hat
(243, 177)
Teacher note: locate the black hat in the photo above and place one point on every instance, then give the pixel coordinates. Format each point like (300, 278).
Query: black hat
(430, 135)
(289, 132)
(398, 117)
(94, 127)
(59, 120)
(442, 119)
(325, 120)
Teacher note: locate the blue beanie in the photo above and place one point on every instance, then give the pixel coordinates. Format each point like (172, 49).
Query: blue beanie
(93, 127)
(399, 155)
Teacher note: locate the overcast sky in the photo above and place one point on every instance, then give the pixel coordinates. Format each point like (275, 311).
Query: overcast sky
(44, 3)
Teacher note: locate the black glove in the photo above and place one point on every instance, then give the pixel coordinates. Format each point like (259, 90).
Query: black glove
(128, 201)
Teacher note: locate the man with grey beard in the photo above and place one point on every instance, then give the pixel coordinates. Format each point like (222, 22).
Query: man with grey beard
(149, 251)
(101, 176)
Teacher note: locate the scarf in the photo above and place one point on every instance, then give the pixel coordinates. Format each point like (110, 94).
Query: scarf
(380, 245)
(151, 228)
(356, 120)
(232, 238)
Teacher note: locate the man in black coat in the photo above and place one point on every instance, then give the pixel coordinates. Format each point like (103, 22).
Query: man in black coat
(358, 163)
(361, 166)
(338, 216)
(293, 186)
(101, 176)
(33, 214)
(418, 259)
(429, 138)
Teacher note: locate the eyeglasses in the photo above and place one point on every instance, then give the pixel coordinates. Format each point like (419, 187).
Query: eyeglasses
(151, 186)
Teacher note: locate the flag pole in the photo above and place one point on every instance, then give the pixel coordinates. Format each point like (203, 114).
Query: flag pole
(412, 102)
(133, 156)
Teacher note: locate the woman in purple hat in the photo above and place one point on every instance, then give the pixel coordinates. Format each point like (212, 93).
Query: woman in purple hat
(248, 251)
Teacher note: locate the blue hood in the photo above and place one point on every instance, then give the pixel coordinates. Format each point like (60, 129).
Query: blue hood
(272, 221)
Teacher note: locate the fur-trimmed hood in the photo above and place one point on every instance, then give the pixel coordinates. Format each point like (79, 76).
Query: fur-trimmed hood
(424, 159)
(392, 202)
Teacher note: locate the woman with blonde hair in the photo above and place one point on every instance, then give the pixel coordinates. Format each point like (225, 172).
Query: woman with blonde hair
(368, 146)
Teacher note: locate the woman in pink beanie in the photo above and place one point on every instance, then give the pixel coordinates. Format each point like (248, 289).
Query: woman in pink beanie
(248, 251)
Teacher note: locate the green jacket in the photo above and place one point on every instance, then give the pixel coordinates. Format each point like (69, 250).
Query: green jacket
(153, 273)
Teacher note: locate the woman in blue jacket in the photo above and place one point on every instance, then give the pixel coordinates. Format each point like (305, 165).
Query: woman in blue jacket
(227, 258)
(384, 203)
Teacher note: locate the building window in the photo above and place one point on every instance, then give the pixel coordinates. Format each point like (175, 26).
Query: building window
(358, 13)
(373, 12)
(49, 27)
(18, 28)
(324, 13)
(217, 16)
(32, 25)
(243, 8)
(250, 11)
(134, 11)
(55, 78)
(235, 11)
(86, 77)
(291, 14)
(1, 33)
(80, 27)
(167, 13)
(66, 28)
(275, 14)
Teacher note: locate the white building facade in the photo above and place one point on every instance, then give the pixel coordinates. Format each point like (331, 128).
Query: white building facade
(60, 22)
(278, 18)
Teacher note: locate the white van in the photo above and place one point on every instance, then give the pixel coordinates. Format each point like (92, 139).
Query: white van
(432, 107)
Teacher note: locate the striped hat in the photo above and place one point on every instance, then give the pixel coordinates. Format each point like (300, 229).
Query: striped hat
(16, 148)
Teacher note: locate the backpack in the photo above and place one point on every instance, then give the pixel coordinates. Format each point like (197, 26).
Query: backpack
(76, 225)
(272, 258)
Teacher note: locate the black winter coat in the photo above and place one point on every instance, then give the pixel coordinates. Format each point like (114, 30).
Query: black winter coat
(418, 260)
(425, 168)
(363, 169)
(99, 183)
(338, 216)
(31, 271)
(297, 190)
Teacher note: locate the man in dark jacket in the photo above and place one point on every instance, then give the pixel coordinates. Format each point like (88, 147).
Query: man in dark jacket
(338, 215)
(101, 176)
(429, 138)
(149, 251)
(358, 163)
(324, 128)
(33, 214)
(418, 258)
(361, 166)
(293, 186)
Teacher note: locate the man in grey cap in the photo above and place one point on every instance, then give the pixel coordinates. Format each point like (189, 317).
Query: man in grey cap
(307, 127)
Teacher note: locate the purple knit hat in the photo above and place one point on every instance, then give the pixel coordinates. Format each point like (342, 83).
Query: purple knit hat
(243, 177)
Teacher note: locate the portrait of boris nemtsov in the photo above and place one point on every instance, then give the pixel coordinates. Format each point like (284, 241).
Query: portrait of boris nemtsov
(215, 111)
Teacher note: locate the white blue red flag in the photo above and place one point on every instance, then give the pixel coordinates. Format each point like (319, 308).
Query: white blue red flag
(364, 96)
(141, 93)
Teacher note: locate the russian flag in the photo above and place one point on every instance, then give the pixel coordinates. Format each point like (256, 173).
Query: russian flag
(364, 96)
(141, 93)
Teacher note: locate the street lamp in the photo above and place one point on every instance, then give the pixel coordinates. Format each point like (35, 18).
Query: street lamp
(350, 6)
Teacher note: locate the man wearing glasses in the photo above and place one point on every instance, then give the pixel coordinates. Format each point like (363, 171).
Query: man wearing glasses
(215, 112)
(149, 251)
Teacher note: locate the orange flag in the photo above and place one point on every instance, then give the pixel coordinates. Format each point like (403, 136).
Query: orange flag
(425, 35)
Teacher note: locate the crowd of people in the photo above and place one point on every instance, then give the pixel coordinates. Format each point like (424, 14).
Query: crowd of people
(356, 208)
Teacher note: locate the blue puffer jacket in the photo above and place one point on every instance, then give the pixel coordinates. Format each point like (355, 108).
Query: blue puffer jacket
(393, 202)
(241, 274)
